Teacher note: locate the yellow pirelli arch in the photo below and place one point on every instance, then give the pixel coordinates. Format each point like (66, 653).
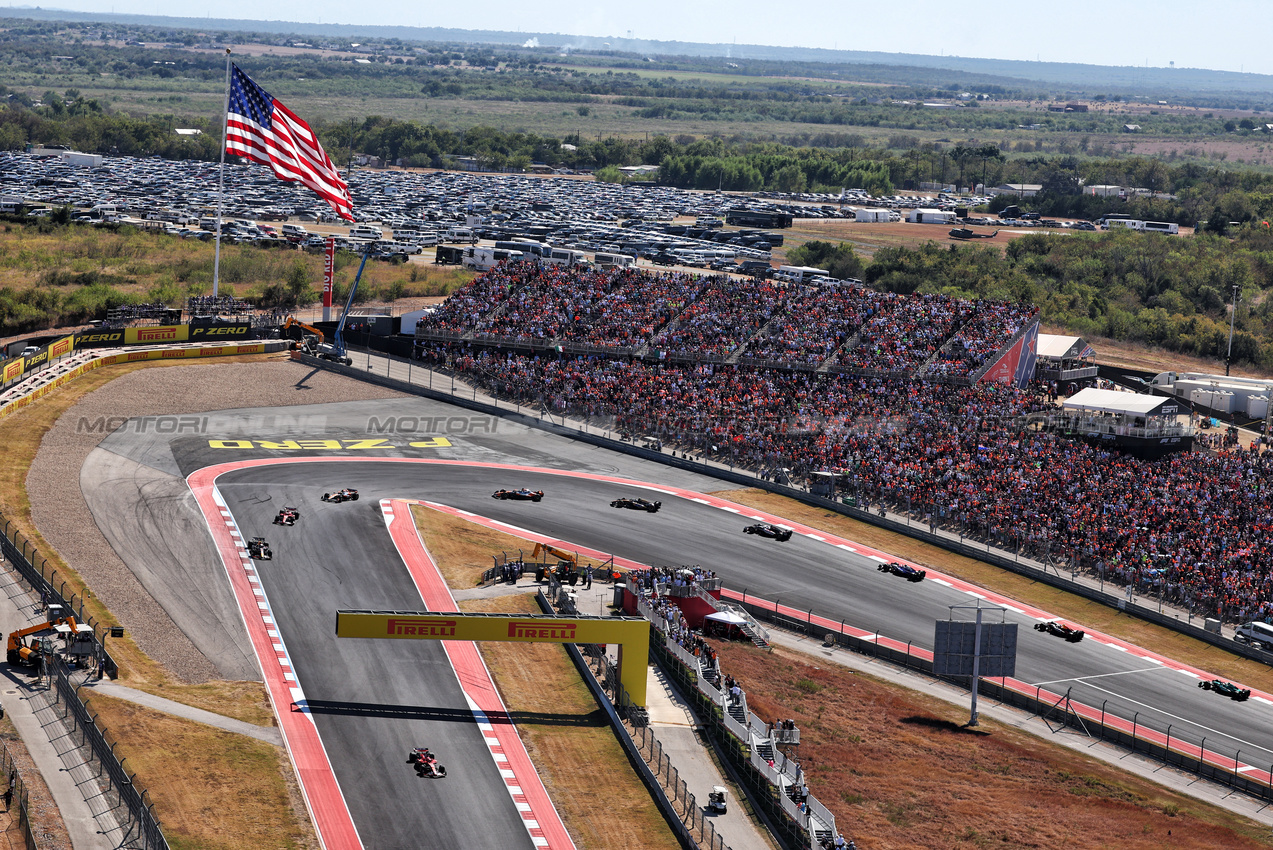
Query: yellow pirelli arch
(632, 634)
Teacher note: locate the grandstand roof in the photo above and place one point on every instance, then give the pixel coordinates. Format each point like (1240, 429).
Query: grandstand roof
(1113, 401)
(1062, 347)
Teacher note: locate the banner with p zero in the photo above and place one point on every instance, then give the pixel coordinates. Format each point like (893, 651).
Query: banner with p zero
(161, 334)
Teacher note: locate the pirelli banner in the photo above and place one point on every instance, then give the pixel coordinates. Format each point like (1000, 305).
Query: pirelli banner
(161, 334)
(632, 634)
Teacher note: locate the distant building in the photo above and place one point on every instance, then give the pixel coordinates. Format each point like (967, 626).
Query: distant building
(1021, 190)
(1131, 128)
(1103, 191)
(188, 131)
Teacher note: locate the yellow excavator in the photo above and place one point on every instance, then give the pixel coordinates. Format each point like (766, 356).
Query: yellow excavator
(25, 645)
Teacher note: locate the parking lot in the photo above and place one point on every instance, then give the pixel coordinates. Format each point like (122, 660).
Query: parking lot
(407, 213)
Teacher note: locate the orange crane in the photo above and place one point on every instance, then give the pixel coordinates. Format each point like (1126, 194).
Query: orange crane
(26, 644)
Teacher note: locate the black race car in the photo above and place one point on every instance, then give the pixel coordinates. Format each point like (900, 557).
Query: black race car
(1061, 630)
(773, 532)
(520, 495)
(259, 550)
(1227, 689)
(346, 495)
(906, 571)
(287, 516)
(637, 505)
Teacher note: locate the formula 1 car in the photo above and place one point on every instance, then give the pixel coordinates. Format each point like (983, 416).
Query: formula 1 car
(1226, 689)
(520, 495)
(906, 571)
(1061, 630)
(287, 516)
(426, 764)
(259, 550)
(773, 532)
(637, 505)
(346, 495)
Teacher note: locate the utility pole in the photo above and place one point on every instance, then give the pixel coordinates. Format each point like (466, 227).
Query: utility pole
(1232, 316)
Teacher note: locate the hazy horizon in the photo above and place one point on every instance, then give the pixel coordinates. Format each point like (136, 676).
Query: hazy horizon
(1186, 34)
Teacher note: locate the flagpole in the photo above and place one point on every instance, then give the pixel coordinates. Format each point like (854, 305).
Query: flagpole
(225, 123)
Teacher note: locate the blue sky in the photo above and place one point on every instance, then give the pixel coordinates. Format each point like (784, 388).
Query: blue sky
(1227, 35)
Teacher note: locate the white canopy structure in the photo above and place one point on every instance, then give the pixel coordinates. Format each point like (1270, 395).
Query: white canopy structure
(1128, 404)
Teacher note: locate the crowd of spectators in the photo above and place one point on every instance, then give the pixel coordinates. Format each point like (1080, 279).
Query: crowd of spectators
(544, 302)
(713, 318)
(724, 316)
(639, 305)
(993, 323)
(818, 320)
(1193, 526)
(901, 339)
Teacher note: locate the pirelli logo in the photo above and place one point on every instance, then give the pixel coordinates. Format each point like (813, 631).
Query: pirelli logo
(420, 627)
(156, 334)
(541, 629)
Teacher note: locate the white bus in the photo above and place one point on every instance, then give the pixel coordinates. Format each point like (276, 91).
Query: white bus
(1125, 223)
(798, 274)
(1161, 227)
(614, 261)
(566, 257)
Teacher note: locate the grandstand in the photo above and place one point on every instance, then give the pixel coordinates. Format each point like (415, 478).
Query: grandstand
(675, 317)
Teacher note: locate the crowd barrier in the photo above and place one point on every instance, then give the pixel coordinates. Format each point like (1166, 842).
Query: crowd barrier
(692, 830)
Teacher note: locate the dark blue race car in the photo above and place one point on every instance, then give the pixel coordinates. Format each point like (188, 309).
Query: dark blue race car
(906, 571)
(773, 532)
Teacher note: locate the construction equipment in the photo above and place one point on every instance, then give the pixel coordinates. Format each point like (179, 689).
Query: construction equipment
(568, 559)
(308, 336)
(336, 351)
(26, 645)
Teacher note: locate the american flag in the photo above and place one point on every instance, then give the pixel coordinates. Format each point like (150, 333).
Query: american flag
(262, 129)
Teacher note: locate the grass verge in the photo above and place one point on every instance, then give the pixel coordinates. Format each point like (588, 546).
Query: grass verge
(603, 803)
(898, 769)
(212, 790)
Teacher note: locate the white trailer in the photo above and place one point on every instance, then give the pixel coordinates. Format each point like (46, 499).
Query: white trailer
(484, 259)
(930, 216)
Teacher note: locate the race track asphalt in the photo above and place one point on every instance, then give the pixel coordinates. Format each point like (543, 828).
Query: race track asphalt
(376, 700)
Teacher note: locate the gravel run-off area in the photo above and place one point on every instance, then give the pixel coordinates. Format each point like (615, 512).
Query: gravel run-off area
(60, 512)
